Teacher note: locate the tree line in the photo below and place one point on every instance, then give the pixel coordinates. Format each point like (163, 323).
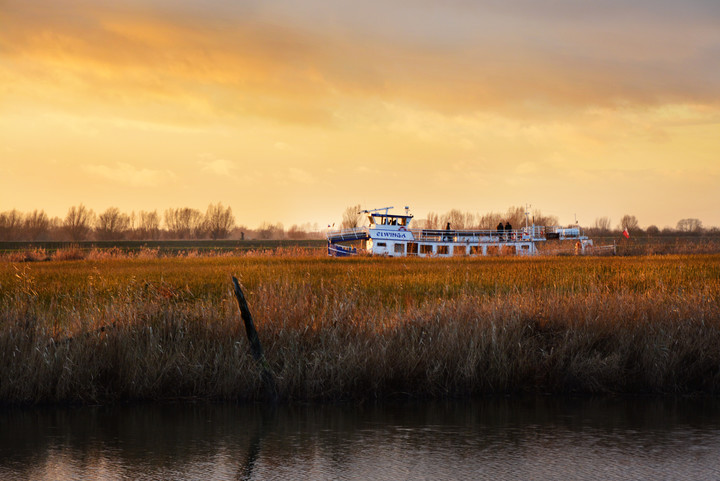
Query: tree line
(218, 222)
(516, 216)
(603, 226)
(460, 220)
(82, 224)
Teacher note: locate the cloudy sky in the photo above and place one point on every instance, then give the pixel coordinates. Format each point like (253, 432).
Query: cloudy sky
(289, 111)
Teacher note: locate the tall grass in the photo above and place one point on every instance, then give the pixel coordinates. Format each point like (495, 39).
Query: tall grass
(110, 329)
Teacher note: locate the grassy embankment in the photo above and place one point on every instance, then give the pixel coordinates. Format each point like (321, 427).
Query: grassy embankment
(113, 330)
(22, 251)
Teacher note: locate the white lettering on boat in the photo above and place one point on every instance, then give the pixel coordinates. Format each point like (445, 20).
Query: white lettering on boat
(392, 235)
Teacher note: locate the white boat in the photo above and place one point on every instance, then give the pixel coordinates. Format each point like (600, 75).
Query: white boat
(391, 235)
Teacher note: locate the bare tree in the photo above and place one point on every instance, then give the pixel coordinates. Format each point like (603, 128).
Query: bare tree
(432, 221)
(629, 222)
(602, 225)
(538, 218)
(10, 225)
(219, 221)
(470, 220)
(352, 217)
(455, 218)
(270, 231)
(112, 224)
(489, 221)
(690, 225)
(295, 232)
(36, 225)
(78, 222)
(148, 225)
(515, 216)
(184, 223)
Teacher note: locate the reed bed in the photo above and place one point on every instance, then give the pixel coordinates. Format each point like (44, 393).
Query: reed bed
(119, 329)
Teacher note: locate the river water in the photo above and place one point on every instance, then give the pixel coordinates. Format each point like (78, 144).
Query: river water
(494, 439)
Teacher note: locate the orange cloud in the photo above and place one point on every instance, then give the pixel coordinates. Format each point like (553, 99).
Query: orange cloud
(465, 99)
(207, 66)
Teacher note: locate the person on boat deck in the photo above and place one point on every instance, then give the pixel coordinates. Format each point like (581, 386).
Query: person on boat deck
(500, 230)
(447, 227)
(508, 228)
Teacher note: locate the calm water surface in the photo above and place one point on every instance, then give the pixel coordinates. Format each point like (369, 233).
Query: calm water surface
(496, 439)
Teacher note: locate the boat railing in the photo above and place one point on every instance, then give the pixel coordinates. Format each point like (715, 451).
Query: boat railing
(353, 233)
(478, 235)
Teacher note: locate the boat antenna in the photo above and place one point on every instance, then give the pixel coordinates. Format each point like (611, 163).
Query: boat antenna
(527, 214)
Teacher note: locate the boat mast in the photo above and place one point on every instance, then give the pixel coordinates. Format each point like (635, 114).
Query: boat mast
(527, 214)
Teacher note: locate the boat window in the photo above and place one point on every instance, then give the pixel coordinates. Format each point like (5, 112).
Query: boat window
(381, 244)
(442, 250)
(426, 248)
(399, 248)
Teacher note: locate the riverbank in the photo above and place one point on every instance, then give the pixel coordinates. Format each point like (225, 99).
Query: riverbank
(129, 329)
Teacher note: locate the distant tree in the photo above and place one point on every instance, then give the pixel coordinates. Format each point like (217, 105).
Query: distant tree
(296, 233)
(112, 224)
(689, 225)
(652, 230)
(630, 223)
(184, 223)
(264, 231)
(148, 225)
(602, 225)
(489, 221)
(432, 221)
(516, 216)
(352, 217)
(219, 221)
(455, 218)
(78, 222)
(269, 231)
(11, 223)
(56, 231)
(538, 218)
(36, 225)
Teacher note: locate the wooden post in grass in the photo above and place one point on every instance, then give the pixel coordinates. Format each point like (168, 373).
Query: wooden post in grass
(255, 348)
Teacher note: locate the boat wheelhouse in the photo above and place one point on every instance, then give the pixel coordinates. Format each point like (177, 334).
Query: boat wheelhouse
(390, 235)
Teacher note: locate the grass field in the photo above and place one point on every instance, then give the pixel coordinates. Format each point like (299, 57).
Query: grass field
(39, 251)
(122, 329)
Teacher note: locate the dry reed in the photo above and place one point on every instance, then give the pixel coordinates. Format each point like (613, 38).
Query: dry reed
(110, 330)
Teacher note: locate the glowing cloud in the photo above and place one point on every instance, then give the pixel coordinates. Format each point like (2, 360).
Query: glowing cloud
(128, 174)
(217, 166)
(469, 105)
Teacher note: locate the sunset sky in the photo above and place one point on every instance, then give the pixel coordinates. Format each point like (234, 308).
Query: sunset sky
(290, 111)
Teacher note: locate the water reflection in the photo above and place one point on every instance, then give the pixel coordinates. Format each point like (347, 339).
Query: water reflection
(534, 438)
